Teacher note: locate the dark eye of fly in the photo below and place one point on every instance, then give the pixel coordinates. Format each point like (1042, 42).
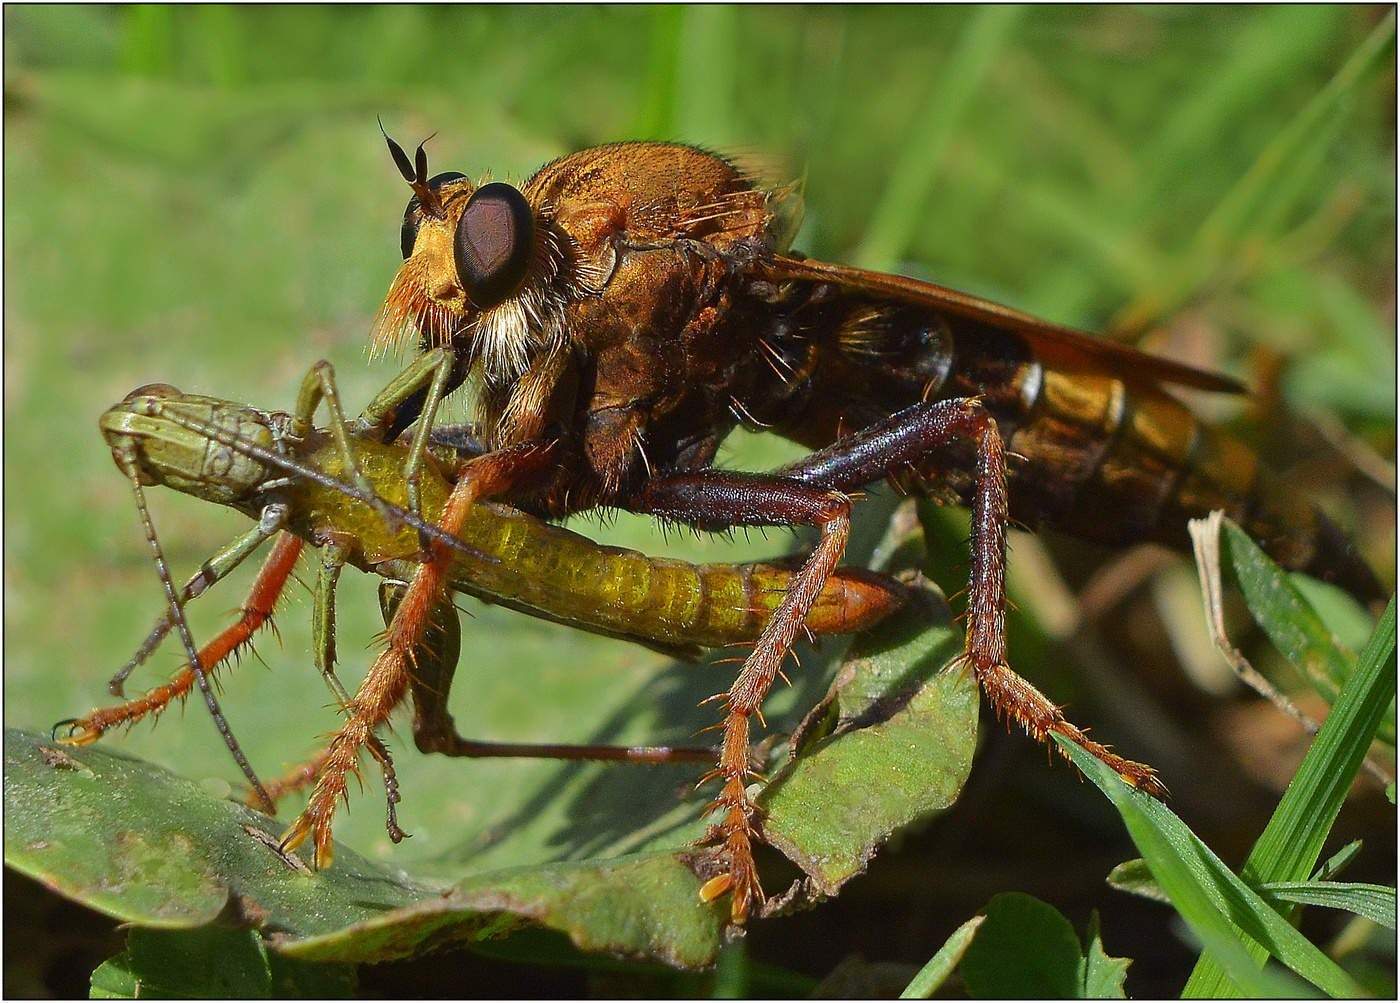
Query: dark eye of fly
(492, 245)
(408, 232)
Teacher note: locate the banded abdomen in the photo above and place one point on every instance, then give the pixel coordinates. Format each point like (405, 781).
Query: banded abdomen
(1110, 455)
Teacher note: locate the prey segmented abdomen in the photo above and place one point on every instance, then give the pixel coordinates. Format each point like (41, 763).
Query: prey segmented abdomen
(629, 594)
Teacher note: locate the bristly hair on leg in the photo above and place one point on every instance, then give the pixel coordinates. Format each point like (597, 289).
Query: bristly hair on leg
(177, 614)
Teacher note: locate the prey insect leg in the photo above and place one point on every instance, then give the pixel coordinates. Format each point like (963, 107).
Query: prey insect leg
(211, 572)
(333, 560)
(716, 499)
(256, 611)
(319, 385)
(183, 629)
(908, 437)
(432, 376)
(435, 663)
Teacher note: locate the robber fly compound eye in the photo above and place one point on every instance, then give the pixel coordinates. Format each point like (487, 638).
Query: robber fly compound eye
(492, 244)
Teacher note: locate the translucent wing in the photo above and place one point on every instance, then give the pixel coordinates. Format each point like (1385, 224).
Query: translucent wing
(1053, 344)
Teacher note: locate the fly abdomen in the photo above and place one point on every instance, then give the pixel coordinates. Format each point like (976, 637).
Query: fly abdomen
(1119, 463)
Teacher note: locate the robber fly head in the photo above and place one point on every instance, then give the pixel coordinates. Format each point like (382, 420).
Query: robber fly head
(479, 261)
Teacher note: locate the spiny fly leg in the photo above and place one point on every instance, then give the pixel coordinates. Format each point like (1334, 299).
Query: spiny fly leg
(905, 439)
(716, 499)
(210, 573)
(387, 682)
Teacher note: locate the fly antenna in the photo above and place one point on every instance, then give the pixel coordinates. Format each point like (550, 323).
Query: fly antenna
(415, 172)
(177, 614)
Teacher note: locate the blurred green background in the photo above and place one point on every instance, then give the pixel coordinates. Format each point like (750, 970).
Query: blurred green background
(200, 196)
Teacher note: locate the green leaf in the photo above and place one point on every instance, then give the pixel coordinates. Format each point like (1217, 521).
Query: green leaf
(1211, 898)
(1024, 950)
(1289, 619)
(146, 846)
(1104, 975)
(1289, 847)
(891, 742)
(1135, 878)
(941, 965)
(213, 962)
(113, 980)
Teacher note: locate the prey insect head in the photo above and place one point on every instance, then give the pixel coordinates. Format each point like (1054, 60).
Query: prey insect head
(150, 445)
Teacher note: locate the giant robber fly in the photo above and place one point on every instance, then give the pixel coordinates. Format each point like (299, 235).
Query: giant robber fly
(629, 305)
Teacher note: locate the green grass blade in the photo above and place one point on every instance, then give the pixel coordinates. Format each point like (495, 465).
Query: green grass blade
(1338, 862)
(706, 71)
(1289, 619)
(1293, 839)
(1208, 895)
(1275, 44)
(731, 973)
(897, 217)
(941, 965)
(1236, 214)
(1375, 902)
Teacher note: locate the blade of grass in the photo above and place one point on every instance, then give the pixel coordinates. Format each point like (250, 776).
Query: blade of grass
(1274, 44)
(1293, 839)
(731, 973)
(1289, 620)
(655, 117)
(1338, 862)
(706, 71)
(1215, 903)
(896, 217)
(1374, 902)
(923, 985)
(1233, 215)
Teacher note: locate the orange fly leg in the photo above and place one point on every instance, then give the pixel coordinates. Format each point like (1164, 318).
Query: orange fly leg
(256, 611)
(715, 499)
(735, 830)
(387, 682)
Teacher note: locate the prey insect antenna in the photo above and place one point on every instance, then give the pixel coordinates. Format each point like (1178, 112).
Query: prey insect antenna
(387, 508)
(177, 614)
